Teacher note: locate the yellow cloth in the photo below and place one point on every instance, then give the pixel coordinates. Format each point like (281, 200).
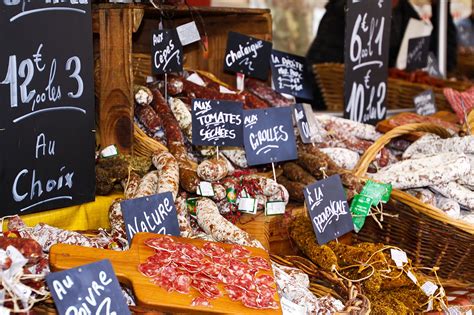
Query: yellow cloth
(88, 216)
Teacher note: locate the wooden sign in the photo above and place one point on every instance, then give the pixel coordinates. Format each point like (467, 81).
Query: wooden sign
(217, 123)
(88, 289)
(327, 205)
(47, 118)
(166, 52)
(247, 55)
(156, 214)
(269, 135)
(366, 60)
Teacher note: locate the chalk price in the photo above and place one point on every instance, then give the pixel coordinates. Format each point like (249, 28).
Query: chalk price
(27, 69)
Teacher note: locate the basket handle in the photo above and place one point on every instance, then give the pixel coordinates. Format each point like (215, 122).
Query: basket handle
(370, 154)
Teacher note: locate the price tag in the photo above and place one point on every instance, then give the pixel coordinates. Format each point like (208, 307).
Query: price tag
(275, 207)
(366, 60)
(47, 121)
(166, 52)
(429, 288)
(91, 288)
(247, 55)
(290, 308)
(205, 189)
(289, 75)
(425, 103)
(269, 135)
(248, 205)
(305, 127)
(399, 257)
(328, 209)
(418, 49)
(412, 276)
(109, 151)
(378, 192)
(217, 123)
(188, 33)
(154, 214)
(360, 208)
(196, 79)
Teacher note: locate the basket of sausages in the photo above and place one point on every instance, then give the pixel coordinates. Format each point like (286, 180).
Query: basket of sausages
(433, 194)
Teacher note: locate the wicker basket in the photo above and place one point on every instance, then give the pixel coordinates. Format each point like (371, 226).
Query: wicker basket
(470, 122)
(429, 236)
(400, 93)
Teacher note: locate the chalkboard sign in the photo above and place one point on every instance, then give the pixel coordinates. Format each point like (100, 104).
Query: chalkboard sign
(366, 60)
(166, 52)
(289, 75)
(327, 205)
(425, 103)
(47, 136)
(247, 55)
(417, 55)
(89, 289)
(300, 112)
(154, 214)
(432, 66)
(269, 135)
(217, 123)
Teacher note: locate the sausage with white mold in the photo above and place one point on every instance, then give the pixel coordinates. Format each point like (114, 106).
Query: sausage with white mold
(431, 144)
(168, 173)
(236, 156)
(130, 185)
(148, 185)
(448, 206)
(457, 192)
(184, 221)
(344, 158)
(213, 170)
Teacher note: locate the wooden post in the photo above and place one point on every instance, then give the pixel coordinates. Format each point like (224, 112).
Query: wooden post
(116, 26)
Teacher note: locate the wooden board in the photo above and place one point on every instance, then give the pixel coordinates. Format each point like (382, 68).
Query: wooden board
(126, 263)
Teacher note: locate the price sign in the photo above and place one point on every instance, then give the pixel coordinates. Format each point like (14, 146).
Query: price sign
(425, 103)
(366, 60)
(166, 52)
(328, 209)
(89, 289)
(154, 214)
(47, 118)
(289, 75)
(418, 49)
(305, 128)
(217, 123)
(269, 135)
(247, 55)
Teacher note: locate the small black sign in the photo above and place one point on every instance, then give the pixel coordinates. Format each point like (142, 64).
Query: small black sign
(417, 55)
(217, 123)
(153, 214)
(269, 135)
(166, 52)
(89, 289)
(304, 127)
(366, 46)
(425, 103)
(432, 66)
(289, 75)
(247, 55)
(47, 117)
(327, 205)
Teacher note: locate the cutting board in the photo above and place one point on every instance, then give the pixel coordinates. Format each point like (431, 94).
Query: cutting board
(126, 263)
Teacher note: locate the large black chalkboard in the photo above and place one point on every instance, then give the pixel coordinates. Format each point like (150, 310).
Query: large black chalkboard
(88, 289)
(47, 120)
(289, 75)
(217, 123)
(247, 55)
(166, 52)
(269, 135)
(366, 48)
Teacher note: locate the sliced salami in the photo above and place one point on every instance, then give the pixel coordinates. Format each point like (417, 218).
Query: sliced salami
(201, 301)
(259, 262)
(235, 293)
(182, 284)
(212, 250)
(240, 252)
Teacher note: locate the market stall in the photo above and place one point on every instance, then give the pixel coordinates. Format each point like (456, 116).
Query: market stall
(216, 189)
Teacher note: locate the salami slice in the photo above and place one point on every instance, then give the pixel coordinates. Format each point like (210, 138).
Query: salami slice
(201, 301)
(212, 250)
(264, 280)
(234, 292)
(149, 269)
(240, 252)
(182, 284)
(259, 262)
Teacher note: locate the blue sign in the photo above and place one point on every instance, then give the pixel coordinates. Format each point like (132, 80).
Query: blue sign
(269, 135)
(153, 214)
(327, 205)
(89, 289)
(217, 123)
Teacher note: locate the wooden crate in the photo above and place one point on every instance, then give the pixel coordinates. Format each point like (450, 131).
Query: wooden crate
(125, 29)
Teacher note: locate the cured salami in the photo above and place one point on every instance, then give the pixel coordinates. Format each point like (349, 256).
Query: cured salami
(344, 158)
(236, 156)
(295, 189)
(148, 185)
(130, 185)
(201, 301)
(213, 170)
(117, 222)
(148, 117)
(457, 192)
(168, 173)
(143, 95)
(296, 173)
(182, 115)
(259, 263)
(353, 128)
(184, 221)
(263, 91)
(431, 144)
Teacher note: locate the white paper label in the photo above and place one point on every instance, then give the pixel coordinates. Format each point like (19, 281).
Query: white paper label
(196, 79)
(3, 310)
(412, 276)
(469, 312)
(430, 306)
(109, 151)
(429, 288)
(290, 308)
(275, 207)
(248, 205)
(188, 33)
(205, 189)
(225, 90)
(240, 81)
(399, 257)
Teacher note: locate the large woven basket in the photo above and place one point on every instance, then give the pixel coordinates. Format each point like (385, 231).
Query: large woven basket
(430, 237)
(400, 93)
